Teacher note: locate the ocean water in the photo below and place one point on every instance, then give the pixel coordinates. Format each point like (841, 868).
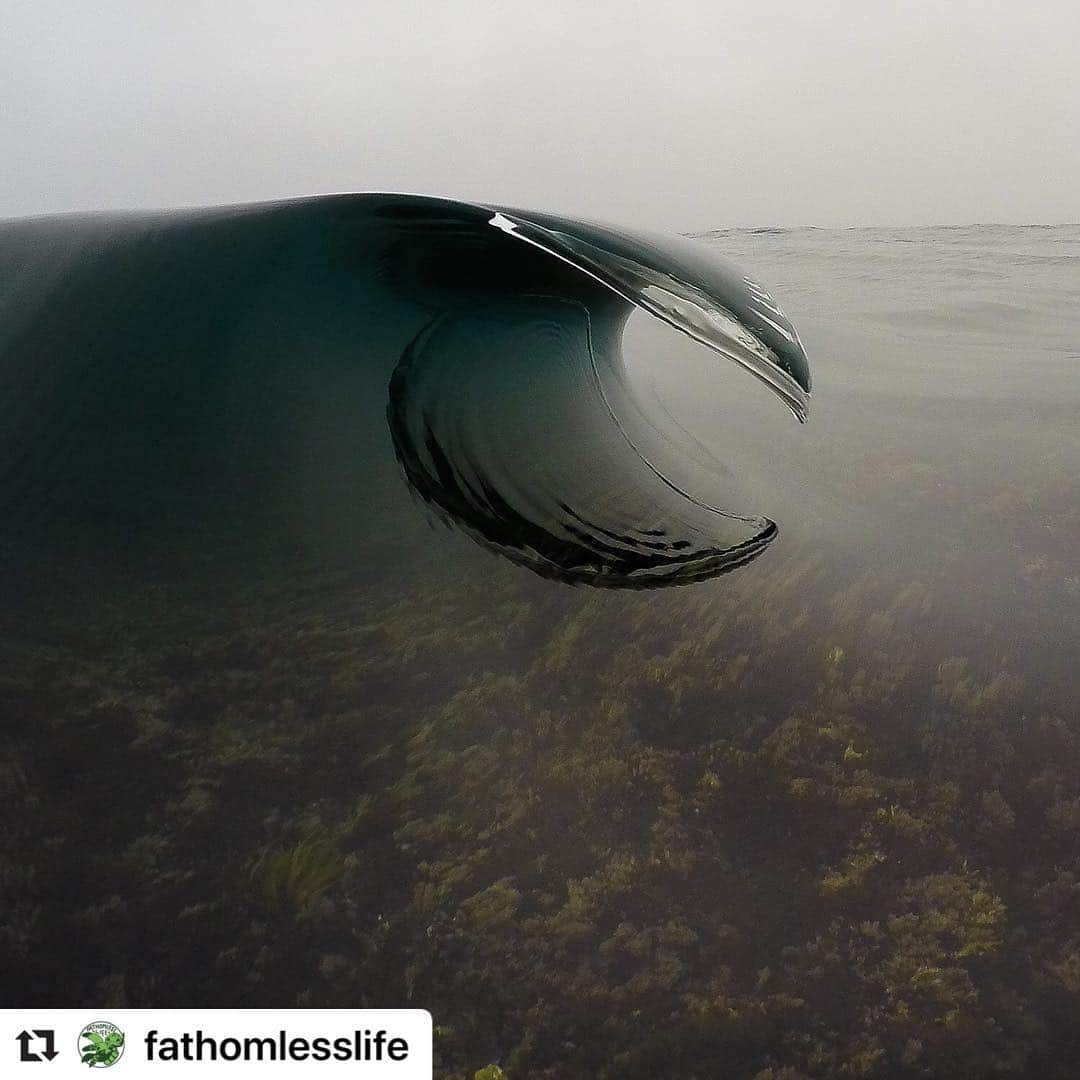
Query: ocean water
(396, 612)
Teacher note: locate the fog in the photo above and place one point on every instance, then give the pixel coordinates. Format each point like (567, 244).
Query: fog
(680, 116)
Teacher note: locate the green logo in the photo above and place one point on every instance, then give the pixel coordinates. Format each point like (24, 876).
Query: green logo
(101, 1044)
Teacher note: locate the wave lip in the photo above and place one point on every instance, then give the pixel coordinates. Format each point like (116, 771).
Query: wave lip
(688, 287)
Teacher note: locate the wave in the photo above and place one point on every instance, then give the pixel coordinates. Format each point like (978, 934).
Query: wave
(264, 376)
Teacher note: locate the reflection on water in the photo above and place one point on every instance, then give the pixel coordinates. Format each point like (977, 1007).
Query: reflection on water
(272, 737)
(500, 420)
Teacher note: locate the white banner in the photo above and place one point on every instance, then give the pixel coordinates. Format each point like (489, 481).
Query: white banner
(60, 1044)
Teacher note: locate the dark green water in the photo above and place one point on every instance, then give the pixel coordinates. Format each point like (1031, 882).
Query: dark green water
(308, 697)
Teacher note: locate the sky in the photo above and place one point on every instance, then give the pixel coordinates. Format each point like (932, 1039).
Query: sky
(681, 115)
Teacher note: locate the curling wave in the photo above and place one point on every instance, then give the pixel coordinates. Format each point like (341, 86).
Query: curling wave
(263, 376)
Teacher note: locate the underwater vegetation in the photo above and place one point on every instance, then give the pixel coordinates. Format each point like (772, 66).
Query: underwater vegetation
(293, 879)
(596, 834)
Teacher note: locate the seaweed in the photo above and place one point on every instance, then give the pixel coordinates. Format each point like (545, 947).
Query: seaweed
(788, 825)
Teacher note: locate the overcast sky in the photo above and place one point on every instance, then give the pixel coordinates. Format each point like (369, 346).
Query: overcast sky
(678, 114)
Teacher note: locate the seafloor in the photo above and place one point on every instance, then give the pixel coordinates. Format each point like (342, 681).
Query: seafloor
(785, 825)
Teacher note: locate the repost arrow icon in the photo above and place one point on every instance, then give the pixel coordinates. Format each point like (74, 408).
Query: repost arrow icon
(50, 1050)
(25, 1039)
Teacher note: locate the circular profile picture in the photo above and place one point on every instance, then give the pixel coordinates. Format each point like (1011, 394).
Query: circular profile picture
(101, 1044)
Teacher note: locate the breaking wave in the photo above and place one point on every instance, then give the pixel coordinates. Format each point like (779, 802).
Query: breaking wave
(268, 374)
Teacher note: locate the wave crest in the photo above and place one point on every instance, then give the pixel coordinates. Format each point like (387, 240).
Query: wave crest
(239, 372)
